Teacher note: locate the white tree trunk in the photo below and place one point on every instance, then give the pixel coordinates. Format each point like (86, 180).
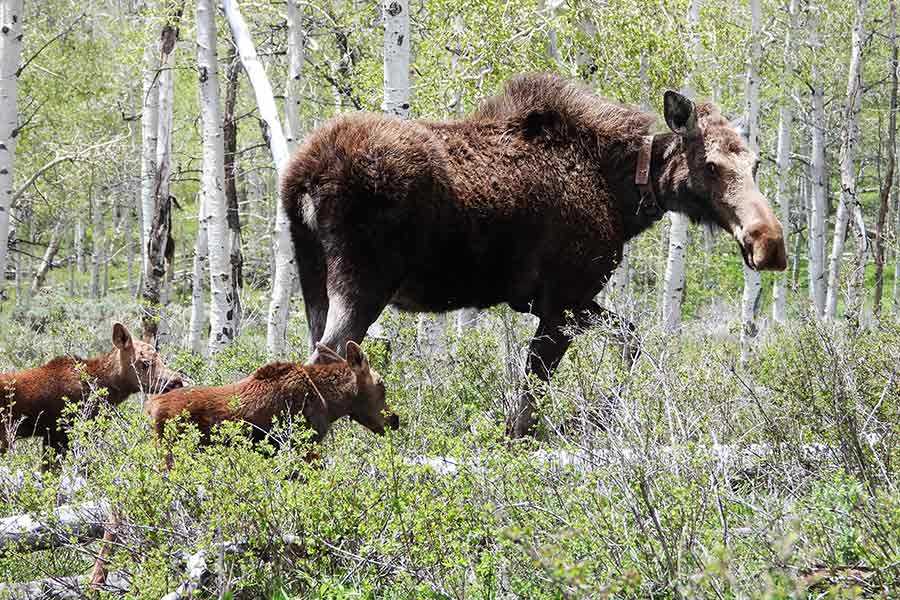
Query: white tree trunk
(11, 15)
(396, 57)
(884, 207)
(157, 272)
(80, 264)
(98, 253)
(229, 135)
(673, 284)
(221, 309)
(47, 261)
(782, 192)
(617, 288)
(752, 279)
(296, 57)
(284, 257)
(149, 137)
(819, 205)
(198, 297)
(849, 203)
(127, 219)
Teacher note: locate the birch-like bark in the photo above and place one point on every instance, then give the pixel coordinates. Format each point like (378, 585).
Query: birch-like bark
(98, 253)
(198, 297)
(296, 57)
(884, 206)
(229, 134)
(149, 138)
(153, 295)
(752, 279)
(673, 284)
(127, 218)
(80, 262)
(849, 202)
(785, 123)
(221, 308)
(11, 15)
(276, 335)
(819, 204)
(396, 58)
(47, 261)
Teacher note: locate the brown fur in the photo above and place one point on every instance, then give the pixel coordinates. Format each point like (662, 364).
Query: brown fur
(320, 393)
(32, 401)
(529, 201)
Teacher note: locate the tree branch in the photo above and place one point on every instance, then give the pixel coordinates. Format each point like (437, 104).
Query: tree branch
(47, 44)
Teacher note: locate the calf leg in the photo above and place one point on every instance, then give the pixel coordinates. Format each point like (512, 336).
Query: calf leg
(58, 441)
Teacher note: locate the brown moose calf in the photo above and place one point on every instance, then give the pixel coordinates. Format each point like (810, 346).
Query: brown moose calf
(32, 401)
(322, 393)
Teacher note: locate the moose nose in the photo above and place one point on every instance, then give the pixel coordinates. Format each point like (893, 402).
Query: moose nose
(394, 421)
(764, 246)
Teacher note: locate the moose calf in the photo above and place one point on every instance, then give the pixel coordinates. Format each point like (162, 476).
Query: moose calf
(32, 401)
(322, 393)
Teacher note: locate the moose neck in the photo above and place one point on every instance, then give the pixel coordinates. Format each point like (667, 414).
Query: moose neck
(666, 180)
(106, 371)
(331, 385)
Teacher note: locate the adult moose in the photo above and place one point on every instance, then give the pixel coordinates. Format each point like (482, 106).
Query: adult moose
(528, 201)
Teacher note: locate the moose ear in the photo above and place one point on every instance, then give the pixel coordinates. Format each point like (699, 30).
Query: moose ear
(356, 358)
(681, 114)
(740, 125)
(121, 337)
(325, 355)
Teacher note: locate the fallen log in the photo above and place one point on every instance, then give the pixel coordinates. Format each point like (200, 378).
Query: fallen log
(64, 525)
(60, 588)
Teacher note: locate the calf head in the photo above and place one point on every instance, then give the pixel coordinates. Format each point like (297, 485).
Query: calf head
(139, 366)
(714, 179)
(368, 407)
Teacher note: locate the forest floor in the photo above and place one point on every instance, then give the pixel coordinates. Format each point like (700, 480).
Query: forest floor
(684, 475)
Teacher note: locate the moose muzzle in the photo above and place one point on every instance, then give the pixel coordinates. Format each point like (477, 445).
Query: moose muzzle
(761, 236)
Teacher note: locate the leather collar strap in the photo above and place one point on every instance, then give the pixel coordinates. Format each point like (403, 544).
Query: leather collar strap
(642, 176)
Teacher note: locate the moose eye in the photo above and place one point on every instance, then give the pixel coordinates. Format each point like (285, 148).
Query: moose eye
(711, 169)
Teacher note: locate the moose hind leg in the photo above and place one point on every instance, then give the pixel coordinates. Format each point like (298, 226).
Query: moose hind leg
(348, 320)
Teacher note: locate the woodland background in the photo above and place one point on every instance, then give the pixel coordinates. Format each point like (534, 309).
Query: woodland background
(750, 451)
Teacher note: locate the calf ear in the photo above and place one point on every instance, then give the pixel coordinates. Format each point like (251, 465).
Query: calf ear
(356, 358)
(121, 337)
(325, 355)
(681, 114)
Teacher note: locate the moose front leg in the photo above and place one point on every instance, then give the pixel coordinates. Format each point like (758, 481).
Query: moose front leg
(547, 348)
(551, 340)
(623, 329)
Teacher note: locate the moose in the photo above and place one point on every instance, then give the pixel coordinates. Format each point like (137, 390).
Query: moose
(528, 201)
(321, 394)
(32, 401)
